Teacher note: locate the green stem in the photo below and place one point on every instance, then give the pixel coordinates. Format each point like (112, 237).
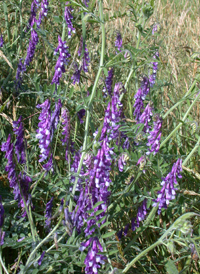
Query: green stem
(192, 152)
(180, 124)
(42, 175)
(21, 25)
(91, 100)
(28, 263)
(3, 265)
(141, 255)
(184, 97)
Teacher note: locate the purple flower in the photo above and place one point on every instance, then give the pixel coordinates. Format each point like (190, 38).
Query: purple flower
(81, 114)
(2, 235)
(113, 114)
(1, 214)
(19, 145)
(145, 117)
(77, 74)
(154, 65)
(55, 117)
(62, 60)
(155, 28)
(43, 12)
(41, 258)
(20, 70)
(93, 260)
(48, 214)
(31, 48)
(118, 42)
(168, 191)
(108, 83)
(68, 19)
(85, 58)
(126, 229)
(10, 167)
(154, 136)
(44, 130)
(122, 161)
(49, 165)
(34, 7)
(86, 2)
(142, 212)
(140, 97)
(1, 41)
(24, 182)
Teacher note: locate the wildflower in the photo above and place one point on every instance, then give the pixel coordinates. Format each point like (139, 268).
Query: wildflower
(77, 74)
(126, 229)
(81, 114)
(86, 2)
(85, 58)
(140, 97)
(142, 211)
(2, 236)
(154, 65)
(48, 213)
(49, 165)
(10, 166)
(44, 130)
(145, 117)
(55, 117)
(20, 70)
(19, 145)
(93, 260)
(118, 42)
(43, 11)
(34, 7)
(1, 41)
(168, 191)
(24, 181)
(31, 48)
(68, 19)
(108, 83)
(62, 60)
(41, 258)
(155, 28)
(154, 136)
(122, 161)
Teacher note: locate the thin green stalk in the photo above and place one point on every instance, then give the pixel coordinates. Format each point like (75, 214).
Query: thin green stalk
(21, 25)
(42, 175)
(192, 152)
(180, 124)
(91, 99)
(3, 265)
(141, 255)
(28, 263)
(184, 97)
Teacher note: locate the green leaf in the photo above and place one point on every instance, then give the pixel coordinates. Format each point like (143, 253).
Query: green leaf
(171, 268)
(98, 203)
(109, 234)
(105, 224)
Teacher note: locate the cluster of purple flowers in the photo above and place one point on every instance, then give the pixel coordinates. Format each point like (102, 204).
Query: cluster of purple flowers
(77, 74)
(43, 11)
(152, 77)
(122, 161)
(155, 135)
(168, 191)
(140, 97)
(48, 214)
(62, 60)
(108, 83)
(142, 212)
(68, 19)
(145, 117)
(46, 127)
(1, 41)
(118, 42)
(20, 183)
(113, 114)
(33, 40)
(85, 58)
(93, 260)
